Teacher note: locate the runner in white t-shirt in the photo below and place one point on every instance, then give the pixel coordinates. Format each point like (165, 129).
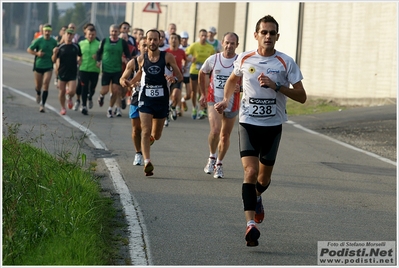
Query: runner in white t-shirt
(266, 78)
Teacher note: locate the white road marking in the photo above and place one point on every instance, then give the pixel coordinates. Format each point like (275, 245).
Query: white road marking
(341, 143)
(138, 245)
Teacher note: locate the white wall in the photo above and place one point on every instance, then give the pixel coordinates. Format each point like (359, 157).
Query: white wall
(348, 52)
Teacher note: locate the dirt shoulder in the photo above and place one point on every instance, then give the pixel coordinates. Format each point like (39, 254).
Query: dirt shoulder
(372, 129)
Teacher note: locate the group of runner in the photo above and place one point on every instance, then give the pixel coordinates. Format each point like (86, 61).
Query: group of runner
(254, 85)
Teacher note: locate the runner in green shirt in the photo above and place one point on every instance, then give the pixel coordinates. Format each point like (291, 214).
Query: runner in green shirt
(42, 49)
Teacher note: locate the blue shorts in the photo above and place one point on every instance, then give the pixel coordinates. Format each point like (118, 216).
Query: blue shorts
(134, 111)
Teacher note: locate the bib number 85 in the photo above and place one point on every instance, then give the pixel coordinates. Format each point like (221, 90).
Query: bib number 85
(154, 92)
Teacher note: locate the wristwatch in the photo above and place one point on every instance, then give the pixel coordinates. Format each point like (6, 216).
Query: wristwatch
(278, 86)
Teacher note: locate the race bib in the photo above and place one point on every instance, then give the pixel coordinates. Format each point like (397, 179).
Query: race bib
(262, 107)
(154, 91)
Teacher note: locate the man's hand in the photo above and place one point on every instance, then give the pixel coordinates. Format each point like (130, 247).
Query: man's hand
(220, 106)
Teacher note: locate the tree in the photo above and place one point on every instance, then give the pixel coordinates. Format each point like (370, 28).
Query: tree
(79, 16)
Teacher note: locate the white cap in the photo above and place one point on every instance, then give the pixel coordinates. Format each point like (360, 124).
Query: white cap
(212, 29)
(184, 34)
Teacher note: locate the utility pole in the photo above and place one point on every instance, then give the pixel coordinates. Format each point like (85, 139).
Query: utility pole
(50, 12)
(93, 13)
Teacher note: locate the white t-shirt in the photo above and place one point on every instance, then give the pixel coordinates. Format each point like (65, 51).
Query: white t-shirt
(263, 106)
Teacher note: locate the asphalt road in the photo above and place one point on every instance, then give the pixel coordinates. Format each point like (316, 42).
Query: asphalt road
(321, 189)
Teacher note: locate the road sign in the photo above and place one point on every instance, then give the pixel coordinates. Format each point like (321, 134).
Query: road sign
(152, 7)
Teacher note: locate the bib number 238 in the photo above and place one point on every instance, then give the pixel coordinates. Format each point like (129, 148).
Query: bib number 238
(262, 107)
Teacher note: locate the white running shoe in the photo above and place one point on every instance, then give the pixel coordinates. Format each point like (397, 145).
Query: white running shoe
(210, 167)
(173, 113)
(118, 112)
(138, 160)
(90, 104)
(110, 114)
(76, 105)
(218, 172)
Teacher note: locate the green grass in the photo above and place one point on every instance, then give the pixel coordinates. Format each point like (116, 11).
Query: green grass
(312, 106)
(53, 212)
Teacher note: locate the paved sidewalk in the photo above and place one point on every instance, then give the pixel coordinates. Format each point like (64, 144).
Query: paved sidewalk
(17, 54)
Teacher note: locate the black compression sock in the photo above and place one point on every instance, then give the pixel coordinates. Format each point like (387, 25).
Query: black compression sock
(44, 97)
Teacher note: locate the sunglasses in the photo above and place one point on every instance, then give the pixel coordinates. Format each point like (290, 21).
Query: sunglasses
(265, 32)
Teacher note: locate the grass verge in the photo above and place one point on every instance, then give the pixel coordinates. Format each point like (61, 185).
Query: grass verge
(313, 106)
(53, 211)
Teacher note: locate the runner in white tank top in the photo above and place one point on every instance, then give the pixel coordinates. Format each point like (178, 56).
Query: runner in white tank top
(219, 67)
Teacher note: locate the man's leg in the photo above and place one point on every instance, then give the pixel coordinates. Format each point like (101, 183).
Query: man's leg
(215, 122)
(224, 141)
(38, 85)
(251, 169)
(46, 85)
(146, 129)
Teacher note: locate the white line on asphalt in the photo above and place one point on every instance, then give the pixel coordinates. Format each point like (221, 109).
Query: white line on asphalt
(341, 143)
(139, 252)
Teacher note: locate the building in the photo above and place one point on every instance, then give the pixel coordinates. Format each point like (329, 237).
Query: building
(347, 51)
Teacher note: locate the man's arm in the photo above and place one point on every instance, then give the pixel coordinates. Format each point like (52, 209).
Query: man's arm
(170, 59)
(137, 76)
(100, 52)
(229, 89)
(55, 54)
(124, 80)
(297, 93)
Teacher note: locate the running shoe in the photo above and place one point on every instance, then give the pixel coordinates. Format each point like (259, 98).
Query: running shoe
(173, 113)
(251, 235)
(56, 82)
(259, 211)
(70, 102)
(90, 104)
(210, 166)
(218, 172)
(63, 111)
(84, 111)
(41, 109)
(194, 114)
(109, 113)
(152, 140)
(178, 111)
(184, 105)
(123, 103)
(101, 101)
(201, 115)
(38, 99)
(166, 123)
(138, 160)
(148, 169)
(76, 105)
(118, 112)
